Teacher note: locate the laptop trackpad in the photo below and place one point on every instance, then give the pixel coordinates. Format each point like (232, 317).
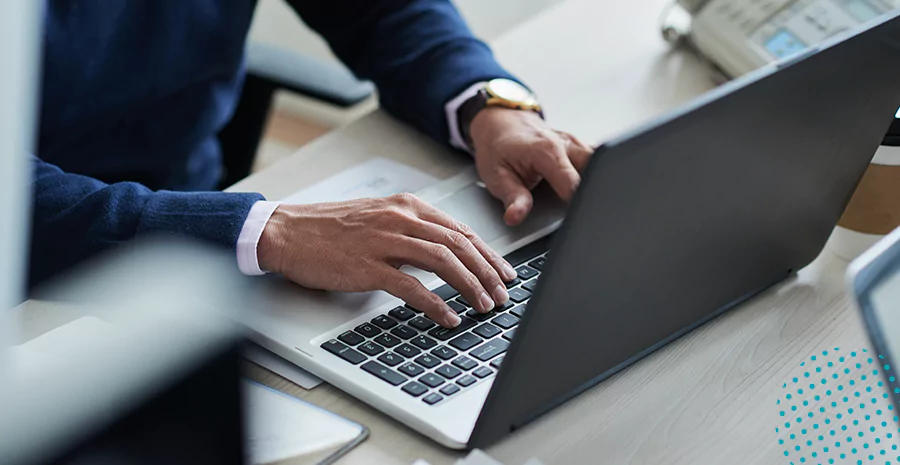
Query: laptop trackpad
(476, 207)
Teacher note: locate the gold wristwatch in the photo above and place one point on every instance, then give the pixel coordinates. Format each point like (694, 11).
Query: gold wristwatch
(500, 93)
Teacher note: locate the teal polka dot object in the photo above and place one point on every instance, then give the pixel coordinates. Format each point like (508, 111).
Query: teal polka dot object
(836, 408)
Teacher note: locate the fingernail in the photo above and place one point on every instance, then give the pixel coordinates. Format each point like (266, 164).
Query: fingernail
(453, 319)
(500, 294)
(509, 272)
(485, 301)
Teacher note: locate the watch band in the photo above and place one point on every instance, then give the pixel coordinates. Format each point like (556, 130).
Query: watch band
(467, 112)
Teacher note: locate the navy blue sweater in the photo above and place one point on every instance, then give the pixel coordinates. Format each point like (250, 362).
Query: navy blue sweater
(135, 91)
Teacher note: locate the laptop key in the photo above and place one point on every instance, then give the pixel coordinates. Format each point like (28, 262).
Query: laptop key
(414, 309)
(480, 316)
(456, 306)
(502, 308)
(450, 389)
(519, 295)
(432, 398)
(384, 373)
(509, 334)
(407, 350)
(387, 340)
(371, 348)
(483, 372)
(404, 332)
(428, 361)
(341, 350)
(487, 331)
(463, 301)
(465, 363)
(448, 371)
(490, 350)
(530, 286)
(423, 342)
(411, 369)
(368, 330)
(350, 338)
(467, 381)
(538, 263)
(526, 272)
(446, 292)
(466, 341)
(444, 352)
(431, 380)
(515, 282)
(390, 359)
(384, 322)
(402, 313)
(505, 321)
(421, 323)
(497, 361)
(518, 311)
(444, 334)
(414, 389)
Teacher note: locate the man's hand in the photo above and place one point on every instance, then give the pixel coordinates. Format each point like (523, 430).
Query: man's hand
(515, 150)
(359, 245)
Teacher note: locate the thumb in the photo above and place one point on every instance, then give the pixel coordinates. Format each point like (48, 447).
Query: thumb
(507, 186)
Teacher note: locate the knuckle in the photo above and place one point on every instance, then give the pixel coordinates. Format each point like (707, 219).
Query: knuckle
(551, 146)
(405, 199)
(441, 254)
(393, 215)
(465, 230)
(457, 240)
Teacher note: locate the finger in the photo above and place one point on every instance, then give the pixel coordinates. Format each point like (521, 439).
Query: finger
(579, 152)
(447, 266)
(559, 172)
(466, 251)
(411, 291)
(511, 190)
(497, 263)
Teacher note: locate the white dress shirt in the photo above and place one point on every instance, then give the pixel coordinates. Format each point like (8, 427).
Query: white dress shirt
(248, 240)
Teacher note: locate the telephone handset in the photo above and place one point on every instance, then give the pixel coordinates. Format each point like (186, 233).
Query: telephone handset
(739, 36)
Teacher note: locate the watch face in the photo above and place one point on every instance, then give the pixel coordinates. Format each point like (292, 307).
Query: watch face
(509, 90)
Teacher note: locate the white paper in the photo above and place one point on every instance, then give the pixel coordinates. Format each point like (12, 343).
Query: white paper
(280, 427)
(378, 177)
(282, 367)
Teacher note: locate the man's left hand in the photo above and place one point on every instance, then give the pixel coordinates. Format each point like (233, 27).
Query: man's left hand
(515, 150)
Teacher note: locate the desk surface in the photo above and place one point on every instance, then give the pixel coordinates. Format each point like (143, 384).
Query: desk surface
(708, 397)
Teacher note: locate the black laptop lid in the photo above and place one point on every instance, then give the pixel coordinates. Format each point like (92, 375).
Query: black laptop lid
(683, 220)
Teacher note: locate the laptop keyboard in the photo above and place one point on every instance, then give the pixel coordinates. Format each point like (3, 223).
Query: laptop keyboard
(404, 348)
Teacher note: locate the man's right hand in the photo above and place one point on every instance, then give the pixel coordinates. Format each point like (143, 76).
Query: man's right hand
(360, 245)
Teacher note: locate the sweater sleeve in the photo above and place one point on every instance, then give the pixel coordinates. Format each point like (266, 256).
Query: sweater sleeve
(419, 53)
(75, 217)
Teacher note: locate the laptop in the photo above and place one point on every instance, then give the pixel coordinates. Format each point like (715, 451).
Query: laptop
(873, 280)
(673, 224)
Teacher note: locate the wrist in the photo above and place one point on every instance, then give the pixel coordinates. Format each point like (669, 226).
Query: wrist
(271, 242)
(496, 94)
(492, 122)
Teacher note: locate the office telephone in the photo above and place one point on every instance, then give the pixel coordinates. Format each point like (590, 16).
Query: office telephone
(738, 36)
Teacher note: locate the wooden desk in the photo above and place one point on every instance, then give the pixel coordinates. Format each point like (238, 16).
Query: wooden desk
(600, 68)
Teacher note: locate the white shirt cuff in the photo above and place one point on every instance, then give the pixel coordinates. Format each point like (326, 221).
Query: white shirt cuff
(452, 110)
(248, 239)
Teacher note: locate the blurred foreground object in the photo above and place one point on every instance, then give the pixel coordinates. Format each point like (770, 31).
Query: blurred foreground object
(152, 377)
(19, 52)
